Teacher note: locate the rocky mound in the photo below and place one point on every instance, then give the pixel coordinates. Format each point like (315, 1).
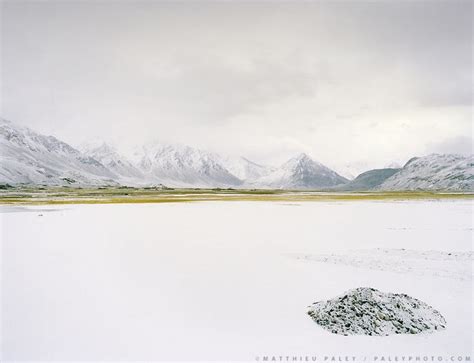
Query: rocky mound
(367, 311)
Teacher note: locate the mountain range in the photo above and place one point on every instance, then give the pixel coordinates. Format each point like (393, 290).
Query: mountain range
(30, 158)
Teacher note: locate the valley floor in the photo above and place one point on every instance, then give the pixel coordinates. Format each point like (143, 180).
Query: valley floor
(114, 195)
(228, 280)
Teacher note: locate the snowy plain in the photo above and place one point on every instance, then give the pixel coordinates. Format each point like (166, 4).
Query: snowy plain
(220, 280)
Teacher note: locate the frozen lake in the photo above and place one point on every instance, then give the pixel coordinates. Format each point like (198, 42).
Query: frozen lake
(218, 280)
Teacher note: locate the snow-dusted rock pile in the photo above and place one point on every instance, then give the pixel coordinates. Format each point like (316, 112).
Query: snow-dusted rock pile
(368, 311)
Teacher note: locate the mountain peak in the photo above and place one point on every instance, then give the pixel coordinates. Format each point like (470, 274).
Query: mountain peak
(302, 172)
(302, 157)
(97, 146)
(181, 165)
(302, 161)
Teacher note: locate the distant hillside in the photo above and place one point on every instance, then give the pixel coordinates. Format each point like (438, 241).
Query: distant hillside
(369, 180)
(434, 172)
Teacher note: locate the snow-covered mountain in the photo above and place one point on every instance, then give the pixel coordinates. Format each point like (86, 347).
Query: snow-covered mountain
(28, 157)
(301, 172)
(244, 169)
(31, 158)
(184, 166)
(434, 172)
(118, 164)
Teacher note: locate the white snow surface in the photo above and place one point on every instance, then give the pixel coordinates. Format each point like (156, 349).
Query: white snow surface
(214, 281)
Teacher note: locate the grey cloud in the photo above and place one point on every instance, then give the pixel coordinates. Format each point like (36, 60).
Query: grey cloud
(256, 77)
(458, 145)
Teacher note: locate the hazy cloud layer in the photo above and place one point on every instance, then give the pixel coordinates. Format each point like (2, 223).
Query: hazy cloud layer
(359, 83)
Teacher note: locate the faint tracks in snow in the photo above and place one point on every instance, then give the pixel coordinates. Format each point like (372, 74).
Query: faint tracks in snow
(453, 265)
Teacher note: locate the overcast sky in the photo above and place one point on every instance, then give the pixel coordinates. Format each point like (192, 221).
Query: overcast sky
(350, 83)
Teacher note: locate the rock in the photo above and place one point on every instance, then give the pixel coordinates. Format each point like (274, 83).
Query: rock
(367, 311)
